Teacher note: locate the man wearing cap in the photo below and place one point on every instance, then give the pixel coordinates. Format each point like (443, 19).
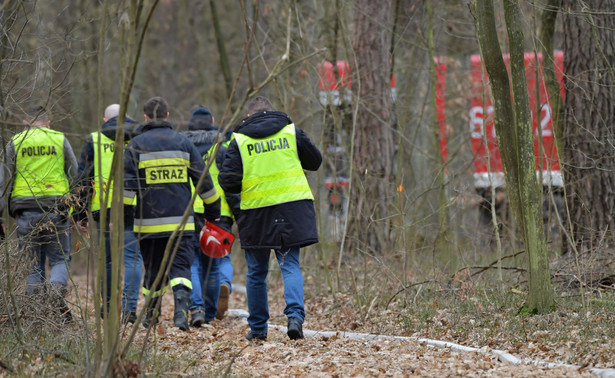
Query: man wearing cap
(95, 170)
(211, 277)
(39, 171)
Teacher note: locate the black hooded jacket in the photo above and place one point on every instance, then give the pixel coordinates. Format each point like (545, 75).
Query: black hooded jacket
(286, 225)
(86, 163)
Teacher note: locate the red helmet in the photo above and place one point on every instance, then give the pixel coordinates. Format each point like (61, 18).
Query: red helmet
(215, 241)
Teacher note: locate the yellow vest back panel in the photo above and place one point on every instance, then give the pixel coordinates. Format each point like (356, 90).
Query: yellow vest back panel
(272, 172)
(39, 164)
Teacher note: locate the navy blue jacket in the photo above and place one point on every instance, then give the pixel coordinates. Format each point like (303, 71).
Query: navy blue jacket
(286, 225)
(164, 200)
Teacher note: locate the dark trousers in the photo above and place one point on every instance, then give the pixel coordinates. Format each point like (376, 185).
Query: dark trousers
(152, 251)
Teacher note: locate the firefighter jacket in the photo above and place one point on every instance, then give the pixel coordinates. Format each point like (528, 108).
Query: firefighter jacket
(98, 152)
(281, 215)
(39, 171)
(159, 166)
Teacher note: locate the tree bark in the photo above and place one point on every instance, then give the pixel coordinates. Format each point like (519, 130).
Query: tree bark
(373, 155)
(589, 122)
(515, 139)
(439, 163)
(224, 61)
(547, 30)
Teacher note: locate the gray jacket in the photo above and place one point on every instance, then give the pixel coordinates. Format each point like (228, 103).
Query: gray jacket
(45, 203)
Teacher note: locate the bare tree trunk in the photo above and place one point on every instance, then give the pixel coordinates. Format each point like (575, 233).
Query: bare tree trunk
(373, 156)
(515, 138)
(589, 121)
(547, 29)
(437, 154)
(224, 62)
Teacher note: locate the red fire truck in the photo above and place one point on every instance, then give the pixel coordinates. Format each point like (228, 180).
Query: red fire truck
(484, 141)
(335, 91)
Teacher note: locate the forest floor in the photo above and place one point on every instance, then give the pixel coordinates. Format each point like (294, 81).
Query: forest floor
(480, 312)
(220, 348)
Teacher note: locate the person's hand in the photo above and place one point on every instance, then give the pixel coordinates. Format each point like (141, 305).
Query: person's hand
(2, 230)
(82, 225)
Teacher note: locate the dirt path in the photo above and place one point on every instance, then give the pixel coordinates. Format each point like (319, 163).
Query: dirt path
(216, 347)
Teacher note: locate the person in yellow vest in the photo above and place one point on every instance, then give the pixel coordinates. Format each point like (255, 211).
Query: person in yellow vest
(40, 171)
(265, 162)
(159, 166)
(210, 288)
(98, 154)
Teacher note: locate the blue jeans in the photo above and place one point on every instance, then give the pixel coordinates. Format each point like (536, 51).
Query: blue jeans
(226, 272)
(256, 286)
(205, 284)
(133, 267)
(44, 236)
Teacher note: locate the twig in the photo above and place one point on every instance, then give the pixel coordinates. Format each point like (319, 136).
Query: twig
(227, 372)
(403, 289)
(483, 268)
(7, 367)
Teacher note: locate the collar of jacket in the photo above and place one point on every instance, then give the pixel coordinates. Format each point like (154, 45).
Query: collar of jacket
(156, 125)
(263, 124)
(110, 127)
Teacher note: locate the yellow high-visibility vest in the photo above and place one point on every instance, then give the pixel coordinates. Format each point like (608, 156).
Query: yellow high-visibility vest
(225, 209)
(39, 164)
(272, 172)
(107, 147)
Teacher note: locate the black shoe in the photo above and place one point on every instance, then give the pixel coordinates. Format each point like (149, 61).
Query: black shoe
(129, 317)
(58, 292)
(197, 317)
(66, 315)
(295, 329)
(149, 321)
(256, 336)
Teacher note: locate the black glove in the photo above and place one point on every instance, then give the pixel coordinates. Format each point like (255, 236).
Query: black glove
(226, 223)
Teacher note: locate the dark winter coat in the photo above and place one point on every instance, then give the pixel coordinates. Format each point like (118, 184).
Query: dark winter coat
(286, 225)
(162, 200)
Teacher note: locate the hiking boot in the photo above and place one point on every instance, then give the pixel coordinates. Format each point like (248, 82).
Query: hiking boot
(65, 315)
(129, 317)
(151, 313)
(58, 292)
(295, 329)
(181, 294)
(197, 317)
(256, 336)
(223, 301)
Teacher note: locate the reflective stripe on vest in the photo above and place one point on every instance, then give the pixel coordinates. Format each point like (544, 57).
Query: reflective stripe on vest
(272, 172)
(39, 164)
(164, 224)
(165, 167)
(129, 197)
(104, 159)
